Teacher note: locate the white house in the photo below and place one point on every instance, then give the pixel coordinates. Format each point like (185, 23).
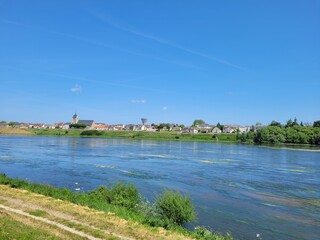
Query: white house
(216, 130)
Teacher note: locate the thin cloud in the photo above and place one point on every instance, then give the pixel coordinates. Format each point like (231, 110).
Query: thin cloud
(138, 101)
(92, 42)
(165, 108)
(76, 89)
(166, 42)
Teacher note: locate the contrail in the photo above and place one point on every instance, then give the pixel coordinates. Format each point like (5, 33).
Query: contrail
(166, 42)
(92, 42)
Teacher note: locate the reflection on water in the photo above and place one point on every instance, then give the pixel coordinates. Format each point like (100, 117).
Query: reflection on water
(241, 189)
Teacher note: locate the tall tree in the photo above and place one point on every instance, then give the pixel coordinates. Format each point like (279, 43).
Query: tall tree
(316, 123)
(275, 124)
(198, 122)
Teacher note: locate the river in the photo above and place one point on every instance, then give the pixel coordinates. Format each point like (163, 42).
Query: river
(245, 190)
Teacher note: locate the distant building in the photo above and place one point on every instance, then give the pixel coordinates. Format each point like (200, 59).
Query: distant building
(216, 130)
(75, 119)
(4, 124)
(89, 123)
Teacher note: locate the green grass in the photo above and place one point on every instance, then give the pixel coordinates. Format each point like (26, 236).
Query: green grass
(12, 229)
(38, 213)
(165, 135)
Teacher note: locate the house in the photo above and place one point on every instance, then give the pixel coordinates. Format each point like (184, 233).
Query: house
(176, 128)
(143, 128)
(244, 129)
(230, 128)
(66, 125)
(89, 123)
(101, 126)
(204, 128)
(4, 124)
(58, 125)
(216, 130)
(117, 127)
(190, 130)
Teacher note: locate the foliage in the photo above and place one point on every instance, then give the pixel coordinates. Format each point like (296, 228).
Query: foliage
(13, 124)
(270, 134)
(175, 208)
(120, 194)
(316, 123)
(275, 124)
(198, 122)
(207, 234)
(291, 123)
(273, 134)
(91, 133)
(78, 125)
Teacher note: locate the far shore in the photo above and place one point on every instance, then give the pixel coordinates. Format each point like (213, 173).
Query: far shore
(138, 135)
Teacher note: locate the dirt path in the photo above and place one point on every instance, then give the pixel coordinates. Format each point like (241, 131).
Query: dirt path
(61, 226)
(57, 214)
(79, 221)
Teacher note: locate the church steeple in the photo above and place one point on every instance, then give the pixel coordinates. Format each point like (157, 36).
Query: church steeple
(75, 119)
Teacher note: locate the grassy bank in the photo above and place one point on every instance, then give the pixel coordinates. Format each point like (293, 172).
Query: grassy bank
(15, 131)
(165, 136)
(122, 201)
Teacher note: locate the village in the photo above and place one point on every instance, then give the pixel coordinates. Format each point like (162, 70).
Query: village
(76, 122)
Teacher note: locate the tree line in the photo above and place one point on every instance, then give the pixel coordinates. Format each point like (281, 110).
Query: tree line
(291, 132)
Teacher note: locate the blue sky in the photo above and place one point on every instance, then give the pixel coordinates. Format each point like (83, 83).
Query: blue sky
(169, 61)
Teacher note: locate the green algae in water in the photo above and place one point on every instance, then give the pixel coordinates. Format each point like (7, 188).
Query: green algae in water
(298, 170)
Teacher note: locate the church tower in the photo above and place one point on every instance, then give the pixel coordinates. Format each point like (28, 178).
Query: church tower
(75, 119)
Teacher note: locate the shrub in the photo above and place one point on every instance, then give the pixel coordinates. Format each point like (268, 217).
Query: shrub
(125, 195)
(120, 194)
(208, 234)
(91, 133)
(175, 208)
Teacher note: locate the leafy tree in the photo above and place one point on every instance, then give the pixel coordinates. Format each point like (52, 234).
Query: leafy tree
(198, 122)
(13, 124)
(275, 124)
(270, 134)
(289, 123)
(316, 123)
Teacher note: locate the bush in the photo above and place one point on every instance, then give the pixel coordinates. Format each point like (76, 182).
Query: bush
(207, 234)
(78, 125)
(120, 194)
(91, 133)
(175, 208)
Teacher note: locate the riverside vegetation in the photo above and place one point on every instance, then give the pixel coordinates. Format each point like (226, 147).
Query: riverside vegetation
(170, 210)
(140, 135)
(291, 132)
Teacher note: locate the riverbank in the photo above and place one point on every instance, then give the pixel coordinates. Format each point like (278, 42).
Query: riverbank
(27, 215)
(16, 131)
(141, 135)
(42, 212)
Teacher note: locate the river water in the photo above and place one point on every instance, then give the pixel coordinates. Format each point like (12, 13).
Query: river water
(245, 190)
